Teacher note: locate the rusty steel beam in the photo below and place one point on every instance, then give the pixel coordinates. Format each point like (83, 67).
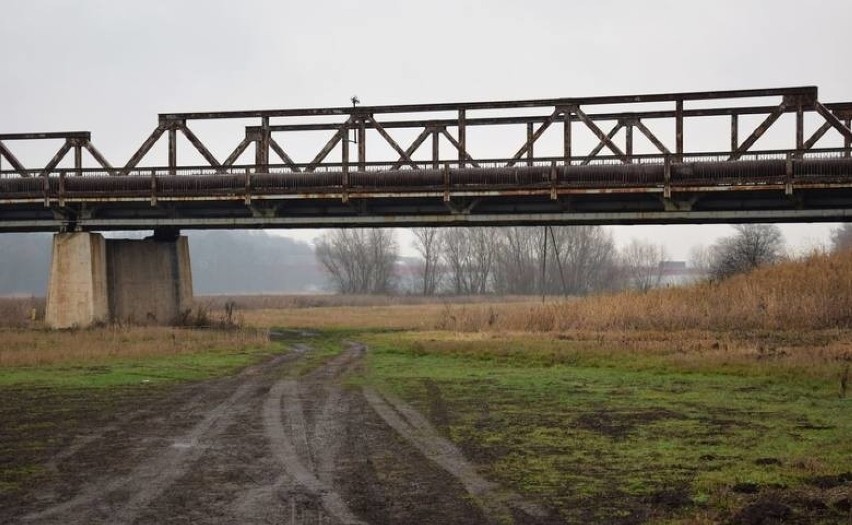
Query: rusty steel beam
(832, 119)
(462, 143)
(847, 141)
(603, 137)
(651, 137)
(758, 132)
(262, 146)
(436, 147)
(628, 141)
(200, 147)
(566, 136)
(283, 155)
(601, 143)
(496, 121)
(416, 144)
(172, 150)
(241, 147)
(467, 159)
(735, 132)
(530, 143)
(805, 91)
(808, 144)
(93, 151)
(143, 149)
(80, 135)
(13, 160)
(532, 137)
(323, 153)
(403, 155)
(679, 129)
(78, 158)
(57, 158)
(362, 144)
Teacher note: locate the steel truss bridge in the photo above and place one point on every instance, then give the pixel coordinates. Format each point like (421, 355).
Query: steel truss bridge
(344, 186)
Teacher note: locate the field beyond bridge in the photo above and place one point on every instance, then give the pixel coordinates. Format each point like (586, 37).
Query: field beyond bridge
(721, 402)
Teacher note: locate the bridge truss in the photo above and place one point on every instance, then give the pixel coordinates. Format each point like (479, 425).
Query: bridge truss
(346, 184)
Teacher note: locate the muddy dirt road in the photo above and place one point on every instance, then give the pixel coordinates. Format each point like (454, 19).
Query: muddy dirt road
(266, 446)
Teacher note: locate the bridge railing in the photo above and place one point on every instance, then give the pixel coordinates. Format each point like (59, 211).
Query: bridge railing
(388, 166)
(451, 124)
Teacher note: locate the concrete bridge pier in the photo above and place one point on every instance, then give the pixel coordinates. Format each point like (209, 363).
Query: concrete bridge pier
(95, 280)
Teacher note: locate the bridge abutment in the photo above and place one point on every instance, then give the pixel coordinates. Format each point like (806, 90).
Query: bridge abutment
(93, 280)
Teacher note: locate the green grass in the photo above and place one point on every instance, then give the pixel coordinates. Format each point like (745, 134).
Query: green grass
(592, 428)
(601, 432)
(114, 372)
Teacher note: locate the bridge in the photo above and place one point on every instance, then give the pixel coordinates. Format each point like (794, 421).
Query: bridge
(427, 165)
(541, 180)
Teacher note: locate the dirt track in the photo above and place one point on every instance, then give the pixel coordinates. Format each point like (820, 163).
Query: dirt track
(265, 447)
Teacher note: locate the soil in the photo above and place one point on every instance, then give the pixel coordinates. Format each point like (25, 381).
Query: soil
(263, 447)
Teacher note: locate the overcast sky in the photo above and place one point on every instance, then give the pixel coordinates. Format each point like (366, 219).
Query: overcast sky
(110, 66)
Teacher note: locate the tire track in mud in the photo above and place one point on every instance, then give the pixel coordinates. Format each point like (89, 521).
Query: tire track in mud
(496, 502)
(284, 450)
(287, 430)
(152, 477)
(320, 453)
(407, 422)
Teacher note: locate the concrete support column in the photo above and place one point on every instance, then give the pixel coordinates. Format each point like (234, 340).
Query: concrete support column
(138, 281)
(77, 288)
(150, 281)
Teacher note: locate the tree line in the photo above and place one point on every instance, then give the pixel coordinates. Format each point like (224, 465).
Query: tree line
(574, 260)
(569, 260)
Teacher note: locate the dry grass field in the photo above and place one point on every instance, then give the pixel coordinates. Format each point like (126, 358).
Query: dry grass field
(718, 402)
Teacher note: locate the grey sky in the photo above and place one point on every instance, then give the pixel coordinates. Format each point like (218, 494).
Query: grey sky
(110, 66)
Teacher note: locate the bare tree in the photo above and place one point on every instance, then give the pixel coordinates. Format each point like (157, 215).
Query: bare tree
(427, 242)
(841, 237)
(589, 260)
(469, 254)
(517, 261)
(580, 259)
(358, 260)
(751, 246)
(643, 264)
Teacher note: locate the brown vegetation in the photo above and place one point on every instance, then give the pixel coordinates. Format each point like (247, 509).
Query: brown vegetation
(20, 311)
(814, 293)
(266, 302)
(27, 347)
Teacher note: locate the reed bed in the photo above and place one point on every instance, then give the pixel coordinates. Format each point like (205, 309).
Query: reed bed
(812, 293)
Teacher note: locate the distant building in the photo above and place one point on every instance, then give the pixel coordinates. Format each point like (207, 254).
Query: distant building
(677, 273)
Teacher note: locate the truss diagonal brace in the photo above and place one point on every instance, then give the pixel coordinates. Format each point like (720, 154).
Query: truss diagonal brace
(413, 147)
(759, 131)
(816, 136)
(650, 136)
(143, 149)
(535, 136)
(100, 159)
(598, 132)
(338, 136)
(283, 154)
(201, 148)
(833, 120)
(456, 145)
(402, 154)
(241, 147)
(57, 158)
(13, 160)
(597, 149)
